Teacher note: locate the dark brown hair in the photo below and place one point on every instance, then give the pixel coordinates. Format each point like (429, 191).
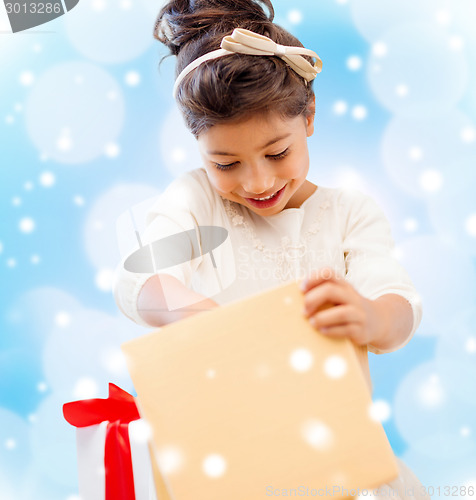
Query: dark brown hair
(231, 87)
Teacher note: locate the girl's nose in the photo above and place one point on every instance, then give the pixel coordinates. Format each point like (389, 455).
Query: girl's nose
(257, 180)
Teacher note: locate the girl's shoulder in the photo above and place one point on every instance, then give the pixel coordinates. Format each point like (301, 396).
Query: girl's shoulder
(190, 192)
(357, 202)
(193, 184)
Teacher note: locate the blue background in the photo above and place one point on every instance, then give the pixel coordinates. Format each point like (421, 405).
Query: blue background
(88, 128)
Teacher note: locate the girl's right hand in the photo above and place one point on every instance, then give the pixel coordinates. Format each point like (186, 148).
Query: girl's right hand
(152, 303)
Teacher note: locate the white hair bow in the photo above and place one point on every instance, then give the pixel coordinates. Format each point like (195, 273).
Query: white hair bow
(243, 41)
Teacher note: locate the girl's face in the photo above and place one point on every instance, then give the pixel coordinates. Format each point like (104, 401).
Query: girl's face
(257, 158)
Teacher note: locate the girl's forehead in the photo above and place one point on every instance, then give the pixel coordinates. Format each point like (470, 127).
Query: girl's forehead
(256, 129)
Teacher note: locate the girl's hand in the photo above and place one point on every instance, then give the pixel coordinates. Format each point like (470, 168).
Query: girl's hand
(336, 309)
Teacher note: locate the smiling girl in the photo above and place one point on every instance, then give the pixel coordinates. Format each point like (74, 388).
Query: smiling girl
(244, 87)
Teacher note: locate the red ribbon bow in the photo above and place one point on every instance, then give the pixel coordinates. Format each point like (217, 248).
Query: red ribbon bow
(119, 409)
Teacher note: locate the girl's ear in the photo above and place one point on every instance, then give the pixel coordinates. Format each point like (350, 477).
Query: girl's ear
(311, 113)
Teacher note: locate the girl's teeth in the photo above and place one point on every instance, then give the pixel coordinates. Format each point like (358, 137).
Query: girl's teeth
(262, 199)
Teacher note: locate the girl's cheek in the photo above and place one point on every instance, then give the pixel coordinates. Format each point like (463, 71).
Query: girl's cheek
(295, 168)
(222, 184)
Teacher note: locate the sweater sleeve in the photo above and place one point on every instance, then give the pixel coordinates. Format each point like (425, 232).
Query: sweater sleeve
(370, 262)
(171, 224)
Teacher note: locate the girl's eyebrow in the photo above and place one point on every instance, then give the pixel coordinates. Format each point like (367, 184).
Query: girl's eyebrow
(270, 143)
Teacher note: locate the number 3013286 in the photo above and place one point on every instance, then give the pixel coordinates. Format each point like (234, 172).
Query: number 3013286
(21, 16)
(33, 8)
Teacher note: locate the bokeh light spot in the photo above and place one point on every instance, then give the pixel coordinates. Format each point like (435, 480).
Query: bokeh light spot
(431, 392)
(10, 444)
(170, 459)
(64, 141)
(86, 388)
(112, 150)
(359, 113)
(456, 43)
(42, 386)
(409, 64)
(301, 360)
(295, 16)
(468, 134)
(68, 135)
(340, 108)
(379, 49)
(465, 431)
(140, 431)
(123, 40)
(62, 319)
(443, 17)
(132, 78)
(317, 434)
(47, 179)
(335, 366)
(214, 465)
(354, 63)
(115, 362)
(410, 225)
(470, 225)
(402, 90)
(470, 345)
(27, 225)
(380, 411)
(104, 279)
(78, 200)
(415, 154)
(431, 180)
(26, 78)
(35, 259)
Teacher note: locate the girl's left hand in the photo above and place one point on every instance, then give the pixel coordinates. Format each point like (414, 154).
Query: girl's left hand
(336, 309)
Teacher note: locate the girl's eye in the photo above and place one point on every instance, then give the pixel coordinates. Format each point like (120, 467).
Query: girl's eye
(279, 156)
(225, 167)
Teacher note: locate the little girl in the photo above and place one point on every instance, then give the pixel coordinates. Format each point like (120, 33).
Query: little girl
(244, 86)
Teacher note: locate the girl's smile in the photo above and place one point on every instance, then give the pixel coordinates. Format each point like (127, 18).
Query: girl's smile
(269, 201)
(261, 162)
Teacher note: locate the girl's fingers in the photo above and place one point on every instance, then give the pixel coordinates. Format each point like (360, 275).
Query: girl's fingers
(318, 277)
(337, 315)
(340, 331)
(326, 294)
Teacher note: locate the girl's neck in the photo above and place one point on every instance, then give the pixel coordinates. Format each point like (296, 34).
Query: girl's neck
(302, 194)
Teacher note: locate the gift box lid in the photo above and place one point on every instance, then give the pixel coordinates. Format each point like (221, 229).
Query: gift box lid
(248, 399)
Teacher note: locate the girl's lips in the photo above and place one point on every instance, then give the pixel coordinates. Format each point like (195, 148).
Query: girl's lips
(267, 203)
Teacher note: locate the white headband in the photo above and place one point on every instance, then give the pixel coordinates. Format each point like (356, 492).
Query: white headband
(247, 42)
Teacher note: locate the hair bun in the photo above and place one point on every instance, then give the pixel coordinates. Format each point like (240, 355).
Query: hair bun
(180, 21)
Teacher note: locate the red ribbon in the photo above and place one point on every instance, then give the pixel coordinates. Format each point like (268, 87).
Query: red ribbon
(119, 409)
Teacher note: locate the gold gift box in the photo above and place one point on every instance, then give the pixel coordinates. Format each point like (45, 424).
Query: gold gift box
(248, 401)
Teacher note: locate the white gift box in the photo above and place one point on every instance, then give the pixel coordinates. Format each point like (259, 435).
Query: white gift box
(114, 450)
(91, 461)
